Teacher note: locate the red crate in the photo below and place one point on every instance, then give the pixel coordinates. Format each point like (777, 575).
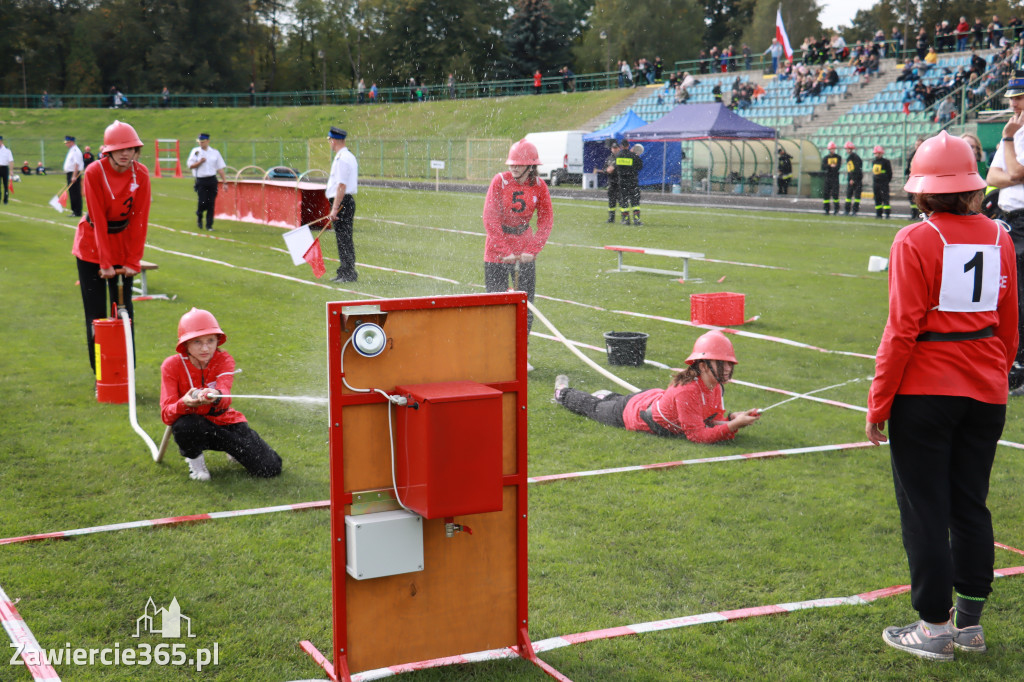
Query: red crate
(722, 309)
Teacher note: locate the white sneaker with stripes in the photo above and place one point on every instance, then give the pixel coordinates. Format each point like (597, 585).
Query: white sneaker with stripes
(922, 639)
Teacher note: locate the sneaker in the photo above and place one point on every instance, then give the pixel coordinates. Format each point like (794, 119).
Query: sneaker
(345, 278)
(970, 638)
(602, 394)
(917, 639)
(561, 383)
(197, 470)
(529, 367)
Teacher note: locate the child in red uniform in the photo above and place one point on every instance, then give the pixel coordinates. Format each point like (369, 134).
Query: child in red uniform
(195, 401)
(112, 235)
(941, 382)
(691, 406)
(511, 248)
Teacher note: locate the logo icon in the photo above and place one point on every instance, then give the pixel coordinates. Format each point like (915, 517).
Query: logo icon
(170, 621)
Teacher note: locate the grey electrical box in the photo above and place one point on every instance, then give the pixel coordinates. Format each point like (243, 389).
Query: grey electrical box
(384, 543)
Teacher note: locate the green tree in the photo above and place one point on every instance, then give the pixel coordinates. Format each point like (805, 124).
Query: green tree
(617, 20)
(83, 71)
(800, 17)
(535, 39)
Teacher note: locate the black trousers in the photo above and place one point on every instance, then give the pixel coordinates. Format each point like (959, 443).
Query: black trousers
(881, 197)
(499, 277)
(613, 194)
(95, 291)
(783, 182)
(194, 433)
(607, 410)
(343, 236)
(1016, 221)
(831, 192)
(853, 192)
(206, 188)
(75, 194)
(5, 174)
(629, 195)
(942, 448)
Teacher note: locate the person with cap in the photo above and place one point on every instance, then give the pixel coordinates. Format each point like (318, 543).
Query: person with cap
(830, 165)
(692, 406)
(1006, 173)
(111, 238)
(881, 176)
(206, 165)
(628, 165)
(854, 179)
(784, 175)
(74, 165)
(6, 161)
(613, 179)
(25, 168)
(342, 186)
(511, 247)
(195, 401)
(940, 382)
(87, 156)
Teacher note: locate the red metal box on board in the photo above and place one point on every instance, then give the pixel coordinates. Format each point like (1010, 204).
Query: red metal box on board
(448, 454)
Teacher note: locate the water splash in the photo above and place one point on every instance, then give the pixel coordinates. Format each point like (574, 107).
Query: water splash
(305, 399)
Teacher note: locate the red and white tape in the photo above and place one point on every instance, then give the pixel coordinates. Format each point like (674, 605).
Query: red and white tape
(634, 629)
(168, 521)
(31, 652)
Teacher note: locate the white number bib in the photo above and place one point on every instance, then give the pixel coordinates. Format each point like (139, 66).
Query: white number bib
(970, 276)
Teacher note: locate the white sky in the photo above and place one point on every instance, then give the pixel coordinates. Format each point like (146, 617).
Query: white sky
(836, 12)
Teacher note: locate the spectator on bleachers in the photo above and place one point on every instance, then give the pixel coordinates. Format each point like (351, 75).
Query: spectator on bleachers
(979, 153)
(911, 71)
(702, 61)
(838, 48)
(775, 50)
(897, 41)
(727, 62)
(713, 59)
(995, 32)
(688, 80)
(681, 94)
(659, 67)
(944, 40)
(963, 32)
(831, 76)
(879, 40)
(745, 51)
(716, 93)
(786, 72)
(922, 43)
(1013, 29)
(931, 58)
(978, 63)
(978, 34)
(873, 61)
(945, 111)
(625, 74)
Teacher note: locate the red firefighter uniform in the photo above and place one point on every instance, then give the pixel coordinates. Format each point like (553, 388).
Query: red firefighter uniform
(507, 212)
(692, 410)
(114, 231)
(178, 376)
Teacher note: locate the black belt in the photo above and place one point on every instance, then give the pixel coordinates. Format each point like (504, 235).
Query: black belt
(113, 226)
(513, 229)
(957, 336)
(656, 428)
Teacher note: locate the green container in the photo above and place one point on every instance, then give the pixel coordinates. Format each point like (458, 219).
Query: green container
(817, 183)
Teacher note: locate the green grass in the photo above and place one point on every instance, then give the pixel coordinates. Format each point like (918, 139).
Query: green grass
(604, 551)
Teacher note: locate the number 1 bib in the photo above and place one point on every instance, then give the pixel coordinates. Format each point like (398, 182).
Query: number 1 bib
(970, 276)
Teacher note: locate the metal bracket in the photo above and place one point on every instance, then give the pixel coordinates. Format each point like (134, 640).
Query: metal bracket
(359, 314)
(372, 501)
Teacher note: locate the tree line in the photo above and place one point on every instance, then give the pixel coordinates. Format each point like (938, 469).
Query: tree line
(206, 46)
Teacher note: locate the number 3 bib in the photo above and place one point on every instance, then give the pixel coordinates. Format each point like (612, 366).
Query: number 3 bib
(970, 276)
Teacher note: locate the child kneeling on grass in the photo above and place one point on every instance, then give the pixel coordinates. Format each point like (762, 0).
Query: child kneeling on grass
(691, 406)
(195, 387)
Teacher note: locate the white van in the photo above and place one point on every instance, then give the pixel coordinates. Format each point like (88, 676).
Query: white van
(561, 155)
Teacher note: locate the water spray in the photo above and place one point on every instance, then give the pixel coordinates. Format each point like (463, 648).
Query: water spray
(818, 390)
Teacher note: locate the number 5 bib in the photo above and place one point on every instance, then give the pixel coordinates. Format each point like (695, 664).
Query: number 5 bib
(970, 276)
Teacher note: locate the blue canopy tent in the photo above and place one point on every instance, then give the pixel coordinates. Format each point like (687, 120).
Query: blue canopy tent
(595, 149)
(662, 152)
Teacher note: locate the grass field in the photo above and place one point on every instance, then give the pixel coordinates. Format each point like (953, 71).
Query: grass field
(605, 551)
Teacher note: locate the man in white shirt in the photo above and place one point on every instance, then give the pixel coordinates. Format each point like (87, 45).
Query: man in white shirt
(74, 164)
(6, 161)
(342, 186)
(206, 164)
(1007, 173)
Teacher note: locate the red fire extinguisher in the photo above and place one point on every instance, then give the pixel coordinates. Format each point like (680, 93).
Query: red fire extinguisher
(111, 354)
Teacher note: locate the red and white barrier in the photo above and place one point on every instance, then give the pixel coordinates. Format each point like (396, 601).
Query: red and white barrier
(20, 635)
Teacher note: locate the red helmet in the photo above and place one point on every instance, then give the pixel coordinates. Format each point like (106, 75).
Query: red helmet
(119, 135)
(523, 153)
(878, 149)
(196, 323)
(944, 165)
(849, 145)
(712, 346)
(831, 145)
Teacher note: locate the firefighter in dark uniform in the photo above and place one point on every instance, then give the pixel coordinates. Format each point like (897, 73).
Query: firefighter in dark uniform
(854, 179)
(628, 166)
(87, 156)
(613, 179)
(785, 174)
(881, 176)
(831, 163)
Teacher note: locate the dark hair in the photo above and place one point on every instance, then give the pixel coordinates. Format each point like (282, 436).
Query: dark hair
(960, 203)
(685, 376)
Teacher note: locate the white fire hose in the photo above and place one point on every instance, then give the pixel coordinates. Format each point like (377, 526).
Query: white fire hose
(132, 417)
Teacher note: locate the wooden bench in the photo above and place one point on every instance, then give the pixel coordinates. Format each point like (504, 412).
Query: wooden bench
(685, 255)
(142, 287)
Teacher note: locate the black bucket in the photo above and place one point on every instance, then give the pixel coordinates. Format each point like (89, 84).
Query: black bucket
(626, 348)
